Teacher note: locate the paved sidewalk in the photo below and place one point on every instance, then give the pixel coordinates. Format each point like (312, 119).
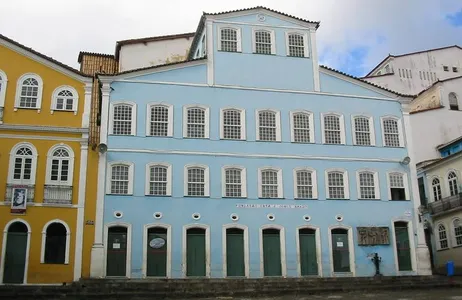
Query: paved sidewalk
(438, 294)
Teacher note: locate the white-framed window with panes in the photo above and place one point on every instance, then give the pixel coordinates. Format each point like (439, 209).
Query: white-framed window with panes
(367, 182)
(398, 186)
(333, 128)
(232, 124)
(337, 184)
(234, 181)
(29, 92)
(196, 121)
(229, 38)
(268, 125)
(158, 179)
(3, 85)
(305, 183)
(270, 183)
(122, 118)
(363, 130)
(436, 189)
(263, 41)
(441, 237)
(196, 181)
(60, 165)
(302, 126)
(120, 178)
(65, 98)
(453, 183)
(297, 44)
(23, 164)
(457, 232)
(159, 120)
(392, 131)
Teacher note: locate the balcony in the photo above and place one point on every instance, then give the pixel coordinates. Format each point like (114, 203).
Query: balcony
(30, 191)
(57, 194)
(445, 205)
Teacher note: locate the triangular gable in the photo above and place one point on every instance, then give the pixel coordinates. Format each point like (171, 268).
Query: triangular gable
(262, 18)
(337, 83)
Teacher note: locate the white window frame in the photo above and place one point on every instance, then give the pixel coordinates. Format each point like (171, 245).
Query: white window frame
(4, 85)
(50, 157)
(44, 239)
(243, 123)
(131, 167)
(273, 40)
(206, 116)
(170, 118)
(346, 183)
(342, 127)
(243, 180)
(147, 188)
(280, 182)
(453, 231)
(206, 180)
(400, 131)
(314, 182)
(16, 147)
(371, 129)
(376, 183)
(75, 99)
(305, 43)
(438, 239)
(311, 124)
(448, 186)
(432, 187)
(19, 89)
(405, 182)
(238, 37)
(278, 124)
(111, 117)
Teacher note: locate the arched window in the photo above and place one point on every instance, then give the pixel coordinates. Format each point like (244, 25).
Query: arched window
(230, 39)
(196, 181)
(268, 126)
(55, 243)
(337, 184)
(270, 183)
(234, 178)
(296, 44)
(452, 180)
(368, 185)
(60, 165)
(23, 160)
(453, 102)
(302, 127)
(457, 225)
(442, 237)
(263, 43)
(391, 132)
(333, 129)
(65, 98)
(160, 120)
(29, 91)
(436, 189)
(305, 184)
(363, 128)
(233, 124)
(123, 119)
(159, 179)
(196, 121)
(120, 178)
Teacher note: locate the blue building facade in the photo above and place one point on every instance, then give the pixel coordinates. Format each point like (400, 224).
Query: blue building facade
(249, 159)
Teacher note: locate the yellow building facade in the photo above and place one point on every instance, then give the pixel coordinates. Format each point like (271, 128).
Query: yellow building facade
(47, 171)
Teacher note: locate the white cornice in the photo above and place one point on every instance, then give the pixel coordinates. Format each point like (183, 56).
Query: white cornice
(43, 137)
(43, 128)
(44, 61)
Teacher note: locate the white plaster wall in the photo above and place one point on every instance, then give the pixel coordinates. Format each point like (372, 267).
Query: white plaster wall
(431, 61)
(134, 56)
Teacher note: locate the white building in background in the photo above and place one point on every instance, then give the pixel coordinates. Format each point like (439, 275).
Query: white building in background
(152, 51)
(414, 72)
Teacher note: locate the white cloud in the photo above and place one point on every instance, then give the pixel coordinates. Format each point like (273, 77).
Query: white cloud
(62, 28)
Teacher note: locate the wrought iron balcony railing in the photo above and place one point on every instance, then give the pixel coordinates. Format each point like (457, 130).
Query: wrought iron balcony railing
(57, 194)
(445, 204)
(29, 187)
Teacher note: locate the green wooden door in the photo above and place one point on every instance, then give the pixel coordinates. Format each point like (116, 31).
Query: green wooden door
(402, 247)
(340, 250)
(308, 259)
(15, 254)
(157, 252)
(116, 264)
(235, 265)
(195, 252)
(271, 253)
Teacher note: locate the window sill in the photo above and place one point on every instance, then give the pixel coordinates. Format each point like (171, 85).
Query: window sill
(109, 194)
(196, 138)
(28, 108)
(237, 198)
(445, 249)
(160, 136)
(303, 143)
(262, 141)
(340, 144)
(364, 199)
(112, 134)
(299, 199)
(398, 200)
(224, 51)
(356, 145)
(384, 146)
(157, 196)
(57, 264)
(187, 196)
(264, 198)
(274, 54)
(292, 56)
(337, 199)
(233, 140)
(458, 246)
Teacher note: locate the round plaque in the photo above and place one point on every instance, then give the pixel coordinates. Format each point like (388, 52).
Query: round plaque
(157, 243)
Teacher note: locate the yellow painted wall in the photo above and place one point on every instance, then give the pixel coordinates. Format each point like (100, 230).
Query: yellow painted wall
(15, 65)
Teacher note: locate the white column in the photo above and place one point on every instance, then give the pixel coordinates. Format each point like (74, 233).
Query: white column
(97, 251)
(314, 57)
(81, 209)
(87, 105)
(422, 253)
(209, 48)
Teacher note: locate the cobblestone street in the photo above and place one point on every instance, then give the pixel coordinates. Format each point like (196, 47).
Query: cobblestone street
(439, 294)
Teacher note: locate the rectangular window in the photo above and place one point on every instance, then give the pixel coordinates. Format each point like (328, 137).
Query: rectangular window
(232, 124)
(362, 131)
(233, 183)
(296, 45)
(446, 68)
(122, 120)
(332, 131)
(301, 127)
(195, 123)
(391, 133)
(336, 185)
(455, 70)
(397, 189)
(119, 180)
(269, 184)
(267, 126)
(367, 185)
(229, 40)
(420, 74)
(304, 185)
(196, 182)
(158, 181)
(159, 121)
(263, 43)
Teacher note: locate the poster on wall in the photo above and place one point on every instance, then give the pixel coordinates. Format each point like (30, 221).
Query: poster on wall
(19, 200)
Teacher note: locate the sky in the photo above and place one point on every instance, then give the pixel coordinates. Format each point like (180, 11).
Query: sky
(354, 36)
